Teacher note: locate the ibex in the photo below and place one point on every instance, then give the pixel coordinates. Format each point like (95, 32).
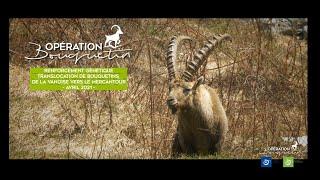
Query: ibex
(202, 121)
(113, 38)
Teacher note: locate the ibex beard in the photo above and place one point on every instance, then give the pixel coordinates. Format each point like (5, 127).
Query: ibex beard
(202, 121)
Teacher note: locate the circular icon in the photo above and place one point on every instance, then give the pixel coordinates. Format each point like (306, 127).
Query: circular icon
(266, 162)
(288, 162)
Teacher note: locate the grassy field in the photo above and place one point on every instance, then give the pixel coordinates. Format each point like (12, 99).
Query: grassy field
(261, 79)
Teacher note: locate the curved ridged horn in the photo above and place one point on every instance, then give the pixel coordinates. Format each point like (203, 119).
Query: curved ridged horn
(118, 27)
(202, 55)
(172, 54)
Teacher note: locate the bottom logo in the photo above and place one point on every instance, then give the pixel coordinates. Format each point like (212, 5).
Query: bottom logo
(266, 161)
(288, 161)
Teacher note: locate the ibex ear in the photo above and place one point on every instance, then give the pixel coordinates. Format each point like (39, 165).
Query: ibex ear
(198, 82)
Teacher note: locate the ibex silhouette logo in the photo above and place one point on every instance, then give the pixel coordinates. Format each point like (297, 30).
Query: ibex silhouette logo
(115, 38)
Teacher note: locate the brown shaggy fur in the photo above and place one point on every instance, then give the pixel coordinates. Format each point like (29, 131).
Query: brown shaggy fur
(202, 121)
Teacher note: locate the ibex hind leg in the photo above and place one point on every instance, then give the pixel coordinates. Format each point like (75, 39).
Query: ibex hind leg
(216, 145)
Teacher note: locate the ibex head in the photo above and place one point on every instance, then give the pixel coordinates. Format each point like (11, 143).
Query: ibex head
(182, 89)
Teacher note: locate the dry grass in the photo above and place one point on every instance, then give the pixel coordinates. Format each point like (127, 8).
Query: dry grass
(262, 81)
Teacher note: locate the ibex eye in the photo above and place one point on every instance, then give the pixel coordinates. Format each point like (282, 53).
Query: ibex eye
(186, 90)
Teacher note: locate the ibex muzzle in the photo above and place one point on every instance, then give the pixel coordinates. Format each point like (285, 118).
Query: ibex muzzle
(202, 121)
